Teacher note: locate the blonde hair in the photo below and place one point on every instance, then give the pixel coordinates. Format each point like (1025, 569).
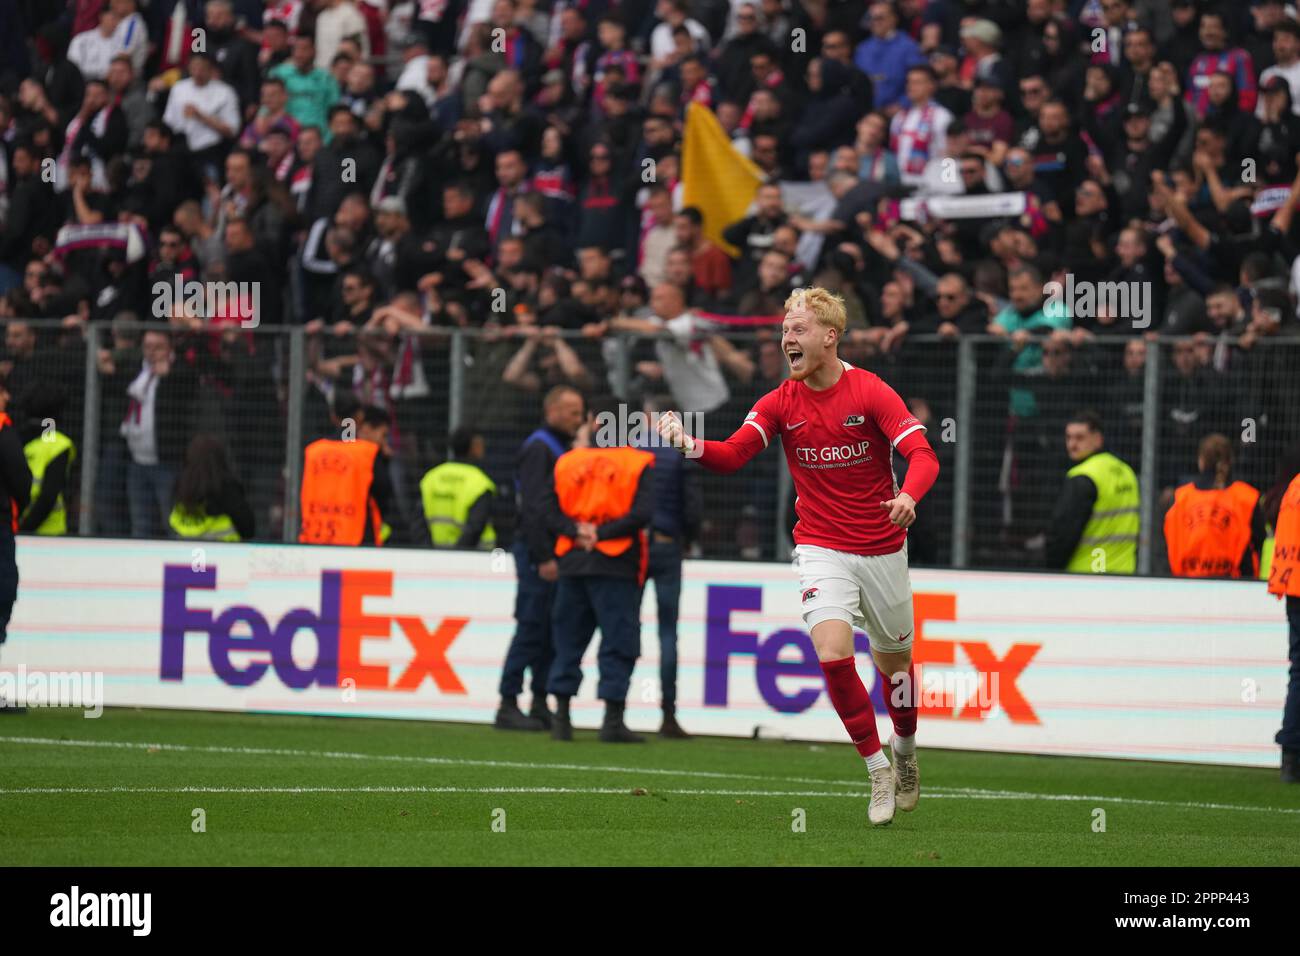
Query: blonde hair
(826, 307)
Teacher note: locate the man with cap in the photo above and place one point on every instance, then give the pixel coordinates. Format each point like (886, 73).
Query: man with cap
(1129, 160)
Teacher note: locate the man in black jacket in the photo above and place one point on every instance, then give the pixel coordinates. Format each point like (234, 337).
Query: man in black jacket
(235, 56)
(31, 205)
(535, 564)
(15, 494)
(753, 234)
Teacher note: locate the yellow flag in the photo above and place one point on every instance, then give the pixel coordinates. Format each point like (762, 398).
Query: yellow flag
(716, 179)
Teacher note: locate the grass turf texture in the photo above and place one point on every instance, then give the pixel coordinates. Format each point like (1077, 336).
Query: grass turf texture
(725, 801)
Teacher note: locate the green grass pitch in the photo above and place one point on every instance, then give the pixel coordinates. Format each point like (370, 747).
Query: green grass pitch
(284, 790)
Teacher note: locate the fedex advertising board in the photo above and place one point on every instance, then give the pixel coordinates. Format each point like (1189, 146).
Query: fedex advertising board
(1054, 664)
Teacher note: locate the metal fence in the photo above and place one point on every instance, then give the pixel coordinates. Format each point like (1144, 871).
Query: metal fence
(996, 418)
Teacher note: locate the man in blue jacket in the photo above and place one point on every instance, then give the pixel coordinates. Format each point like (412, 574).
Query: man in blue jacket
(532, 648)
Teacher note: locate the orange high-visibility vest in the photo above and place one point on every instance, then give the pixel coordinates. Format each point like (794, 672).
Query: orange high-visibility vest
(1207, 529)
(336, 502)
(1284, 576)
(599, 485)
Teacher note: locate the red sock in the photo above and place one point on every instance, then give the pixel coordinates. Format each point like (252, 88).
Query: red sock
(904, 718)
(852, 704)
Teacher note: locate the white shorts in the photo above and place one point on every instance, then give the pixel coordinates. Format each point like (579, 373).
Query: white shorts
(869, 591)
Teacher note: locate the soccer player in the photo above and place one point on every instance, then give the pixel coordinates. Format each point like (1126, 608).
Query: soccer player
(839, 426)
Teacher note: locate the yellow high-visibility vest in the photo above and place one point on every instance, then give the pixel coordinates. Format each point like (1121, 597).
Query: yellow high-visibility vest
(40, 452)
(448, 493)
(1115, 521)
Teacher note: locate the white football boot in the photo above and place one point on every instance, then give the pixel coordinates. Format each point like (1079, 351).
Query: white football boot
(907, 779)
(881, 810)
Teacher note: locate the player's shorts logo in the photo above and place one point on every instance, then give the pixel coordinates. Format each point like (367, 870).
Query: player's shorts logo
(855, 420)
(809, 594)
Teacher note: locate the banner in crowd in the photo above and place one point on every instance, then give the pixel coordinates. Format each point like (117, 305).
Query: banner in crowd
(1052, 664)
(991, 206)
(716, 179)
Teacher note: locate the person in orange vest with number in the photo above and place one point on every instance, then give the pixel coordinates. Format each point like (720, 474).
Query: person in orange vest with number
(1284, 581)
(345, 486)
(15, 495)
(602, 503)
(1214, 529)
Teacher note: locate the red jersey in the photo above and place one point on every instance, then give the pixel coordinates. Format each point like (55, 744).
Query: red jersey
(839, 444)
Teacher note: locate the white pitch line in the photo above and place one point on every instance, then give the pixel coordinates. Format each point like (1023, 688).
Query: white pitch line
(438, 761)
(950, 793)
(963, 794)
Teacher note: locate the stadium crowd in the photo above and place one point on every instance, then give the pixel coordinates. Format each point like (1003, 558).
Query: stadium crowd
(383, 172)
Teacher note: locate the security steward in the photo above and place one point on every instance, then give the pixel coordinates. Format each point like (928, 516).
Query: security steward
(678, 507)
(536, 570)
(1284, 581)
(209, 503)
(49, 453)
(346, 491)
(1214, 529)
(602, 506)
(458, 496)
(15, 494)
(1095, 524)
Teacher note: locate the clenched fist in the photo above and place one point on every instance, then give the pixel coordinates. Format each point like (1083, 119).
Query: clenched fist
(671, 430)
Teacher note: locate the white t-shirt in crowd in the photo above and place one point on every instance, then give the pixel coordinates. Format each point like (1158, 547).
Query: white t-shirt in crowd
(213, 99)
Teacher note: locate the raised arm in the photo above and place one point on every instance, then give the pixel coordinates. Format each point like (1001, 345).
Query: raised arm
(720, 456)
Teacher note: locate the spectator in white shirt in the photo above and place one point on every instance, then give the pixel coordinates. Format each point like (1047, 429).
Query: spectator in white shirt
(919, 133)
(336, 22)
(205, 111)
(672, 14)
(91, 52)
(1286, 48)
(415, 68)
(688, 361)
(131, 35)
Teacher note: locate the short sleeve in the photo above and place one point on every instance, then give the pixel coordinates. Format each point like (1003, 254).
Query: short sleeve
(765, 417)
(891, 415)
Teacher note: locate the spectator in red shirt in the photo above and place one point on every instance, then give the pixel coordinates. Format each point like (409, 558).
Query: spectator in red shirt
(989, 126)
(710, 266)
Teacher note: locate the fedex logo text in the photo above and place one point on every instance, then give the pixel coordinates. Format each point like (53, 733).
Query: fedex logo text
(341, 625)
(942, 698)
